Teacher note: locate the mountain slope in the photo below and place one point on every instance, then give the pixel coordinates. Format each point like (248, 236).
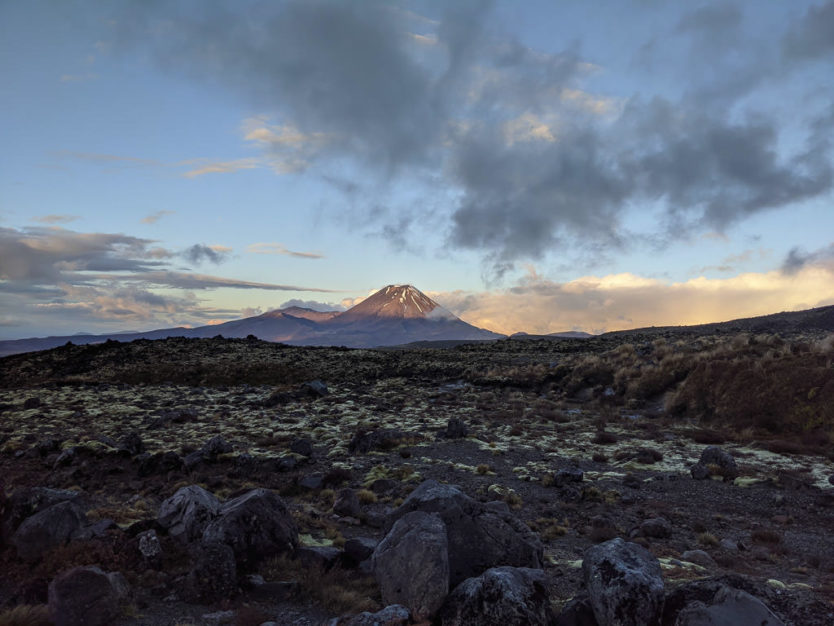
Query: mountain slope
(396, 314)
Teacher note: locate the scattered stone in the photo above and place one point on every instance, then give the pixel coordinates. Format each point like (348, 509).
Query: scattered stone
(715, 456)
(347, 503)
(656, 528)
(302, 446)
(358, 549)
(382, 439)
(321, 557)
(624, 583)
(384, 485)
(149, 545)
(456, 429)
(411, 564)
(501, 596)
(67, 457)
(311, 481)
(159, 463)
(214, 575)
(394, 615)
(699, 557)
(480, 536)
(314, 389)
(31, 403)
(831, 479)
(132, 444)
(47, 529)
(214, 447)
(187, 513)
(568, 475)
(729, 607)
(256, 525)
(97, 530)
(47, 447)
(193, 460)
(632, 481)
(87, 596)
(218, 618)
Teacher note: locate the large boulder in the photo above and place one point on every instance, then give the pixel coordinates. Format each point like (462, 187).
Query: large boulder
(24, 503)
(411, 564)
(728, 607)
(501, 596)
(87, 596)
(187, 513)
(624, 582)
(480, 536)
(715, 457)
(47, 529)
(256, 525)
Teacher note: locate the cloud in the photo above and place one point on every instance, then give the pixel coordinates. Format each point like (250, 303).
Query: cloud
(813, 36)
(277, 248)
(315, 305)
(57, 279)
(623, 301)
(153, 218)
(530, 158)
(797, 259)
(221, 167)
(201, 252)
(55, 219)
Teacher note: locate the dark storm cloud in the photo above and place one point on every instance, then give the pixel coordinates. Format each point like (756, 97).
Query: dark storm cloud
(200, 252)
(352, 72)
(813, 36)
(798, 259)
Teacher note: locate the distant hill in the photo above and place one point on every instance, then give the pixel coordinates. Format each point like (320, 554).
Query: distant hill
(820, 319)
(395, 315)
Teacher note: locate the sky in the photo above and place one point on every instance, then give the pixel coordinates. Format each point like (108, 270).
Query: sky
(533, 166)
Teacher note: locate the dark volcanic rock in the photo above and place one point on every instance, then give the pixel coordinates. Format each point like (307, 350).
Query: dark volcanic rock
(394, 615)
(214, 575)
(480, 536)
(302, 446)
(347, 503)
(456, 429)
(382, 439)
(256, 525)
(159, 463)
(729, 607)
(87, 596)
(187, 513)
(214, 447)
(656, 528)
(49, 528)
(577, 612)
(320, 557)
(357, 549)
(24, 503)
(624, 582)
(132, 444)
(715, 456)
(314, 389)
(411, 564)
(568, 475)
(501, 596)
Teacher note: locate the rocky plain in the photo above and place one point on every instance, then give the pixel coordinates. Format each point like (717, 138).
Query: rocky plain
(674, 477)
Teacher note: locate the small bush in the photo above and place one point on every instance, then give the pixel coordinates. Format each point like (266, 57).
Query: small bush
(483, 469)
(366, 496)
(604, 438)
(762, 535)
(707, 539)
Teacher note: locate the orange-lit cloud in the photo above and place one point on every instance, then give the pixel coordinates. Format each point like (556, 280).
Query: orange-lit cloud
(622, 301)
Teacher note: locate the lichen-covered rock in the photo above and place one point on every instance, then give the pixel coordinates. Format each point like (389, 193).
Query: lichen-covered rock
(47, 529)
(87, 596)
(411, 564)
(256, 525)
(480, 536)
(394, 615)
(717, 458)
(729, 607)
(187, 513)
(456, 429)
(24, 503)
(501, 596)
(624, 582)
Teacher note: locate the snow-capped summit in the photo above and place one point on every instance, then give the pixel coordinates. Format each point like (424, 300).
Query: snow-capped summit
(399, 302)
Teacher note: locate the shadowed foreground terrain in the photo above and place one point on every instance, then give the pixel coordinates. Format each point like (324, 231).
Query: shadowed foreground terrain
(564, 444)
